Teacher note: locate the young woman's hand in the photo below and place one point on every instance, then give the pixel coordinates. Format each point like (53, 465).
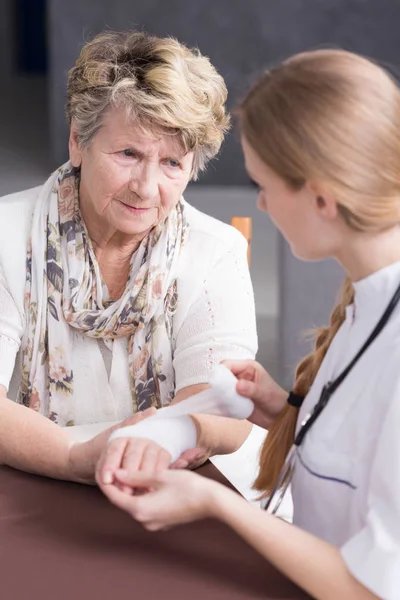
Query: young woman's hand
(255, 383)
(165, 498)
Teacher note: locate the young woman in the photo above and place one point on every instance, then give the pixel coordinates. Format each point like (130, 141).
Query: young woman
(321, 138)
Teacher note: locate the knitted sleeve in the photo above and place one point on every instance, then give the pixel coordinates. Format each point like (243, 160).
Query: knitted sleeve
(220, 324)
(11, 329)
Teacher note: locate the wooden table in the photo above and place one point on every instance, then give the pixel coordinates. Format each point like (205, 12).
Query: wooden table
(62, 541)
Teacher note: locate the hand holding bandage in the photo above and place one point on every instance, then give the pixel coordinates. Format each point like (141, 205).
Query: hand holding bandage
(171, 429)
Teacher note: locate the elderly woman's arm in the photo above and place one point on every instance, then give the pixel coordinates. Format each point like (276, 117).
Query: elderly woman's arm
(215, 435)
(219, 325)
(32, 443)
(212, 435)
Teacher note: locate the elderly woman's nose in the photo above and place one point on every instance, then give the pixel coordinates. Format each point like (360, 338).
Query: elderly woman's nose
(145, 183)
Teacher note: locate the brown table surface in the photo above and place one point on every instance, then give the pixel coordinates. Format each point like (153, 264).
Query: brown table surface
(62, 541)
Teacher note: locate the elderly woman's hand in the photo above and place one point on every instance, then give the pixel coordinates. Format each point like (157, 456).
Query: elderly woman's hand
(132, 455)
(84, 457)
(141, 454)
(255, 383)
(137, 454)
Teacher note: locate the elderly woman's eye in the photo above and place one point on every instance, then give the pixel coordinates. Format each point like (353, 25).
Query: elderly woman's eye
(128, 153)
(173, 163)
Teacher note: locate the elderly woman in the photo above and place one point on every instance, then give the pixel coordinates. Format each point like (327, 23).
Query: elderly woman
(115, 294)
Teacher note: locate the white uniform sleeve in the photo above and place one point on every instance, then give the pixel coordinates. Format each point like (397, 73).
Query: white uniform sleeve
(373, 555)
(221, 322)
(11, 329)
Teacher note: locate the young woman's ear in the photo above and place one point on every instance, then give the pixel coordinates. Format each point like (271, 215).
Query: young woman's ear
(324, 202)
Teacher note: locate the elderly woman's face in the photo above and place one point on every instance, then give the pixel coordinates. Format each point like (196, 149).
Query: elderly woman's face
(129, 178)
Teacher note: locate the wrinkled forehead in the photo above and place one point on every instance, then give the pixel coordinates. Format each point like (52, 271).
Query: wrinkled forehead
(125, 127)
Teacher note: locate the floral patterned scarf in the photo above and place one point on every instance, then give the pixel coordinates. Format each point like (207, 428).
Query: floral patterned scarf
(65, 292)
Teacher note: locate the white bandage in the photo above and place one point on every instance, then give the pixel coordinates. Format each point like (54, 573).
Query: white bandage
(174, 430)
(175, 435)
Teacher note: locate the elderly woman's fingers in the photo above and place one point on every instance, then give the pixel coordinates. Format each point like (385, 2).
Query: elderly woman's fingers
(114, 453)
(111, 460)
(140, 480)
(98, 450)
(154, 459)
(145, 455)
(133, 455)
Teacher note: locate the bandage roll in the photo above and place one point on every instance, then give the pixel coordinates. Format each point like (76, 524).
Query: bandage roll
(172, 427)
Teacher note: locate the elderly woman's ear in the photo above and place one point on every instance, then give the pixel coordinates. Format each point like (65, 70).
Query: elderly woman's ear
(75, 152)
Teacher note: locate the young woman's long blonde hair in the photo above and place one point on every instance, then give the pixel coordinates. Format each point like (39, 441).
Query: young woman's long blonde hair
(334, 117)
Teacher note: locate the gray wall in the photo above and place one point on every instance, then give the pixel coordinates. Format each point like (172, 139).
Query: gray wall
(307, 294)
(224, 202)
(240, 36)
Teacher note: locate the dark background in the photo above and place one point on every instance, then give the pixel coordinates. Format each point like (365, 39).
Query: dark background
(240, 36)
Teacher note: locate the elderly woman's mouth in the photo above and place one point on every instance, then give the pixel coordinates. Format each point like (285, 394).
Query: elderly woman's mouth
(136, 210)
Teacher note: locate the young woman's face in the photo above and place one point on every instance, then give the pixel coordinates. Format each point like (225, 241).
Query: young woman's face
(295, 213)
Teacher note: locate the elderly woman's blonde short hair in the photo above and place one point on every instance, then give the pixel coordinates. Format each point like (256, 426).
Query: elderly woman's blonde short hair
(158, 81)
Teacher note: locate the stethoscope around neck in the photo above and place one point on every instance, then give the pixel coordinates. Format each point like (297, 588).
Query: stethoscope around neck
(273, 502)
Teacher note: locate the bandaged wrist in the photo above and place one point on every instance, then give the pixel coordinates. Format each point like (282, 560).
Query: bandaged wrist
(174, 430)
(174, 434)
